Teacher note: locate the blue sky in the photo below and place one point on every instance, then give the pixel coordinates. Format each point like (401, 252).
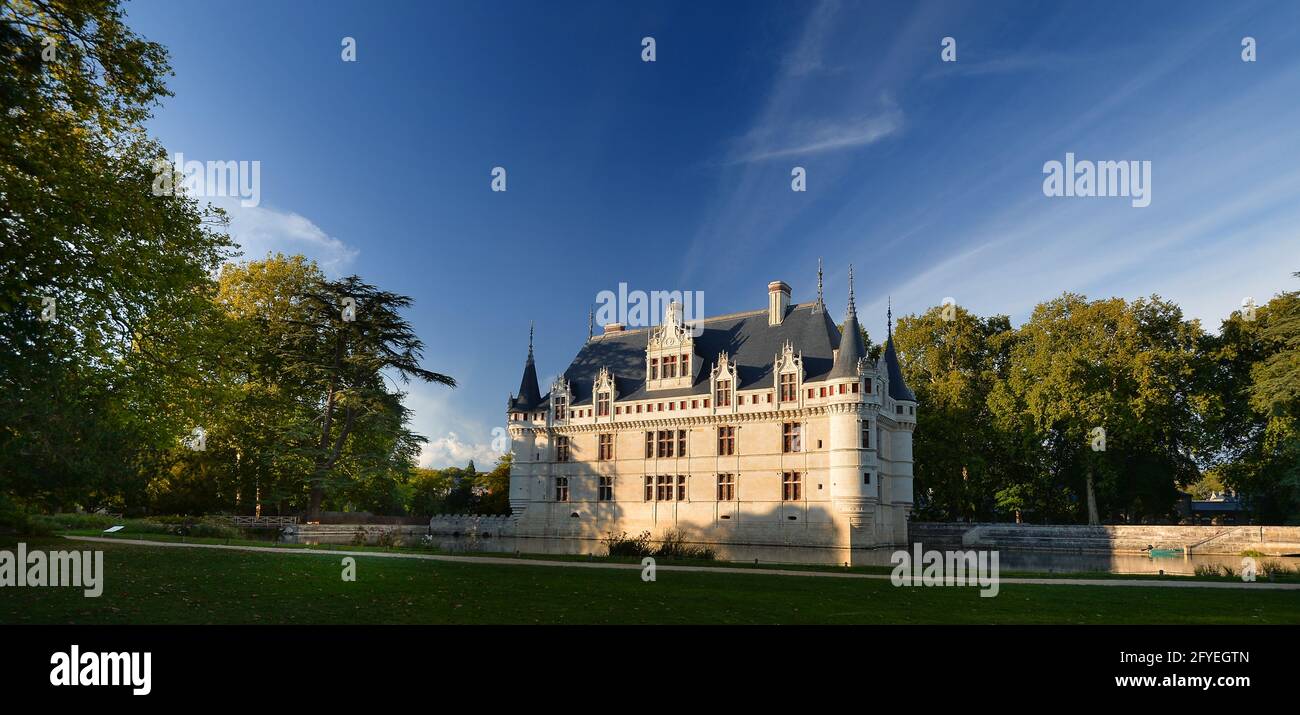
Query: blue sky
(675, 175)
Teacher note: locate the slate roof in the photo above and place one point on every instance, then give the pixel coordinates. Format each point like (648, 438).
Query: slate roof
(898, 389)
(852, 349)
(529, 396)
(750, 342)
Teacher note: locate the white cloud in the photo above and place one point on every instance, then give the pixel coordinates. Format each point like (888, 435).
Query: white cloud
(450, 450)
(454, 437)
(259, 230)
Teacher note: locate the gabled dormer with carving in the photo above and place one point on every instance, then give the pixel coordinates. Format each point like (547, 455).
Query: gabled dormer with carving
(561, 398)
(603, 393)
(722, 384)
(787, 376)
(670, 352)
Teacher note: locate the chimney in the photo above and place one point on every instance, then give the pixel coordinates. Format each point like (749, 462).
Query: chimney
(613, 328)
(778, 299)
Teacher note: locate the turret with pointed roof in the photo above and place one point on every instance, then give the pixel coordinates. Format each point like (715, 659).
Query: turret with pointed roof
(898, 389)
(529, 397)
(851, 348)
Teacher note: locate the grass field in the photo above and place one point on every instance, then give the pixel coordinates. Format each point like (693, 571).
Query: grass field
(146, 584)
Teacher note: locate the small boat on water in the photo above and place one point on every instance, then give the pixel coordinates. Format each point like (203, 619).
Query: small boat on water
(1162, 553)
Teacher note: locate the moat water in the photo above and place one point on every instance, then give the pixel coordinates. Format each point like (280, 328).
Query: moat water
(1008, 559)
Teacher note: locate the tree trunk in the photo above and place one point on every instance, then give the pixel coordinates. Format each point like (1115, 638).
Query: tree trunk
(313, 511)
(1093, 519)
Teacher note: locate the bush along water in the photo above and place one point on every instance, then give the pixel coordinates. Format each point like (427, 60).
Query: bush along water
(672, 546)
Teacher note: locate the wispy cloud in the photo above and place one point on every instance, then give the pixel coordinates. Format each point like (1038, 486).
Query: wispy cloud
(822, 135)
(259, 230)
(1006, 64)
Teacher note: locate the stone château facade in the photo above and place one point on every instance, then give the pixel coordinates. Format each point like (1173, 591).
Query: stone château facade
(763, 428)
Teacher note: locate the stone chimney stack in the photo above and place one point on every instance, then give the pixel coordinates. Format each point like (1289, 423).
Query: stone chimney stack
(778, 299)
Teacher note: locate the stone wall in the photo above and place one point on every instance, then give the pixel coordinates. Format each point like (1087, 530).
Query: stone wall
(1270, 540)
(354, 533)
(466, 525)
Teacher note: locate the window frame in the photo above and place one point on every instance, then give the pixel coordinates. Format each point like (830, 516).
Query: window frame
(791, 486)
(726, 487)
(791, 437)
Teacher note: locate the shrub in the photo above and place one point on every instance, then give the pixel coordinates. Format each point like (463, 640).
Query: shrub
(675, 546)
(16, 519)
(1274, 568)
(391, 538)
(622, 545)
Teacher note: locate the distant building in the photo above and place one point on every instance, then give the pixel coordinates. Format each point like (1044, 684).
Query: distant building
(1218, 508)
(767, 428)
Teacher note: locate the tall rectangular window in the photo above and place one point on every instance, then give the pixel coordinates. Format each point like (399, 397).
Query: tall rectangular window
(681, 487)
(602, 404)
(666, 443)
(681, 443)
(605, 489)
(726, 487)
(790, 486)
(561, 449)
(790, 437)
(561, 489)
(649, 488)
(670, 366)
(649, 445)
(654, 368)
(663, 488)
(726, 440)
(866, 434)
(561, 406)
(606, 451)
(723, 397)
(787, 387)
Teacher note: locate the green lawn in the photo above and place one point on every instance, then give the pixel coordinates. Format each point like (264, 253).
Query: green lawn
(175, 585)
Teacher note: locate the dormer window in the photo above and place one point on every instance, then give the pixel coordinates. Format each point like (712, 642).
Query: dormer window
(788, 366)
(668, 352)
(605, 392)
(787, 387)
(724, 393)
(561, 398)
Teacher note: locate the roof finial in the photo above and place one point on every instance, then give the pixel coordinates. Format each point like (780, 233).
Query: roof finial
(889, 318)
(591, 322)
(852, 309)
(820, 305)
(530, 340)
